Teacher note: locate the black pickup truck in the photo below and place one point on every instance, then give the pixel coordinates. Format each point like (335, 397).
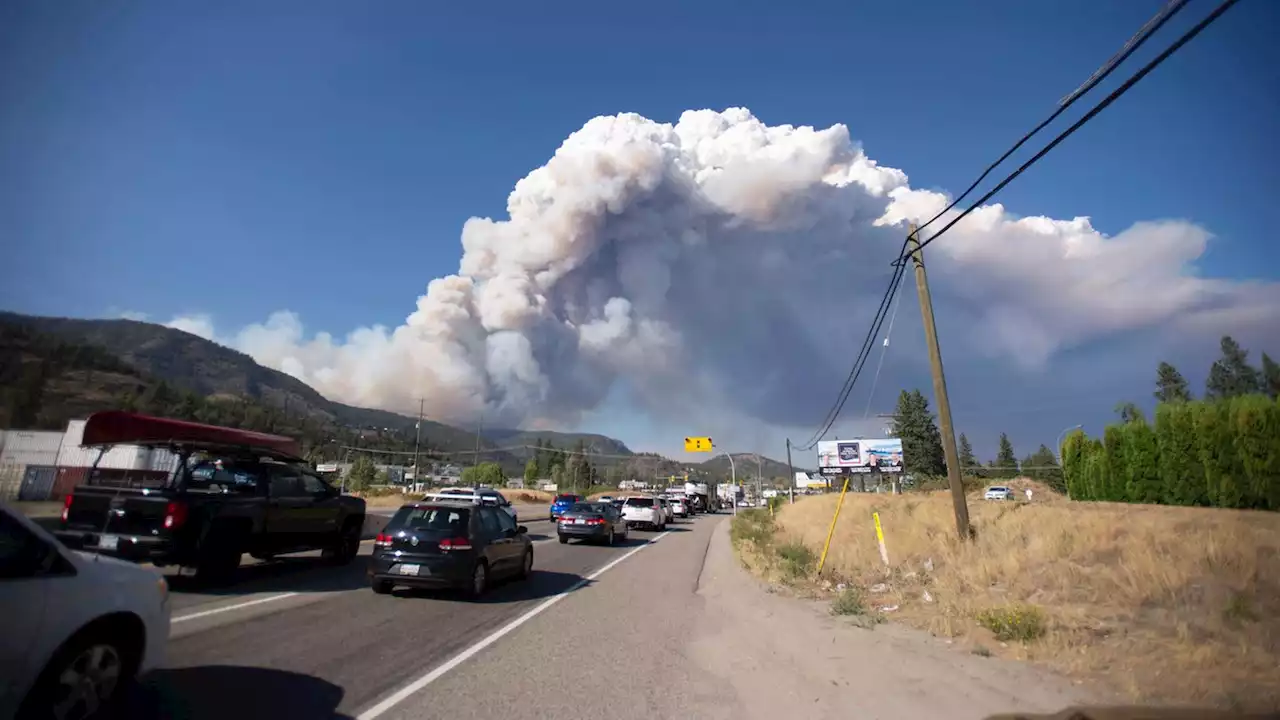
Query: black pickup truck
(212, 510)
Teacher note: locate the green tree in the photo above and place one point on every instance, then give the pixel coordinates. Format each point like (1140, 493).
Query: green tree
(1270, 376)
(1231, 375)
(531, 471)
(1006, 460)
(967, 460)
(361, 474)
(1170, 385)
(1043, 466)
(921, 440)
(1129, 412)
(1182, 477)
(486, 474)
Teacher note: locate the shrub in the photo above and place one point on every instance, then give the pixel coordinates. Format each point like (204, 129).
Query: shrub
(754, 527)
(797, 560)
(849, 602)
(1021, 623)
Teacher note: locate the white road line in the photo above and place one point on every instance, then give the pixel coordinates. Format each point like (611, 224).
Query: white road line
(229, 608)
(417, 685)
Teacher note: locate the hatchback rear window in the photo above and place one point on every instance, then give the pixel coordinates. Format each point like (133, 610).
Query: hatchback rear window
(425, 517)
(640, 502)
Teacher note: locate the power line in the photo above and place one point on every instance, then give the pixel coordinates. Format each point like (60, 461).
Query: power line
(1103, 105)
(899, 263)
(854, 372)
(1146, 31)
(884, 350)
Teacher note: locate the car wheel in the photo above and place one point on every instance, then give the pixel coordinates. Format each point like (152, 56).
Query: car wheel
(526, 566)
(564, 540)
(610, 538)
(381, 587)
(479, 581)
(84, 678)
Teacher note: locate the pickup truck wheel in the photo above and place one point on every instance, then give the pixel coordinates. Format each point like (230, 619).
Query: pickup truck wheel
(219, 558)
(346, 546)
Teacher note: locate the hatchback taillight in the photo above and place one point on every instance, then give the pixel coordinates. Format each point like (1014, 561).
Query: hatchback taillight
(382, 540)
(451, 544)
(175, 515)
(66, 506)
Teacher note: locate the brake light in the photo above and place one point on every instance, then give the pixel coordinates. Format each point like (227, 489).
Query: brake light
(382, 540)
(66, 506)
(175, 515)
(595, 521)
(459, 543)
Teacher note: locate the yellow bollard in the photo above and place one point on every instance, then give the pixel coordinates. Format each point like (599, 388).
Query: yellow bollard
(831, 531)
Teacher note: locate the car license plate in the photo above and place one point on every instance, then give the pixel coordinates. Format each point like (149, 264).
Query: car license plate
(411, 570)
(108, 542)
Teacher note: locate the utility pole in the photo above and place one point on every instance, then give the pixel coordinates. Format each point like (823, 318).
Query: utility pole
(939, 386)
(417, 441)
(791, 474)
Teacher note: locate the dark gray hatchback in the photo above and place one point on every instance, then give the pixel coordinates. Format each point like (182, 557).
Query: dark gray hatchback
(449, 544)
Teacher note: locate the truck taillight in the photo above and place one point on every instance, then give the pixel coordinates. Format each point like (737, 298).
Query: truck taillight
(459, 543)
(66, 506)
(382, 540)
(175, 514)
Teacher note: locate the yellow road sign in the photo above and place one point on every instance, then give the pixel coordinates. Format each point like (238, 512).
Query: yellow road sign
(697, 444)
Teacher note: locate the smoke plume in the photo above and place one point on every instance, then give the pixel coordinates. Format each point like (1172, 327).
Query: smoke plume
(722, 261)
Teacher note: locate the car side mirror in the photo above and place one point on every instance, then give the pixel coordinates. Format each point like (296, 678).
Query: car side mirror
(522, 530)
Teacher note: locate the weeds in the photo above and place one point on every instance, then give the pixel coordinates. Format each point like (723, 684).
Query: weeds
(1022, 623)
(796, 560)
(849, 602)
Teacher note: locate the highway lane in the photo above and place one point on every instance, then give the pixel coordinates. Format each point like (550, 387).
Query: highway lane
(316, 642)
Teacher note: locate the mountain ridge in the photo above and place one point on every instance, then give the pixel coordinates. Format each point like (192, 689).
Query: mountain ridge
(194, 364)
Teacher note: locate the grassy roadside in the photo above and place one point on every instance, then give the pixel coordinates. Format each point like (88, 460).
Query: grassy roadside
(1164, 604)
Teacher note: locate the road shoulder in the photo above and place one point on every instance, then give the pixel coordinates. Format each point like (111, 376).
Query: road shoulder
(778, 654)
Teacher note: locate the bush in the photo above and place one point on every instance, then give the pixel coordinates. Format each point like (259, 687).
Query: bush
(1223, 453)
(797, 560)
(849, 602)
(754, 527)
(1021, 623)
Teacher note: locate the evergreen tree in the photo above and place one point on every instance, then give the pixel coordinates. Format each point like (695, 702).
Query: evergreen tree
(1231, 375)
(1170, 385)
(1043, 466)
(531, 470)
(1270, 376)
(1006, 460)
(967, 460)
(921, 440)
(1129, 412)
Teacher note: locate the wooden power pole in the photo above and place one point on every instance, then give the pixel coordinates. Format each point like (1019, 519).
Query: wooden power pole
(417, 441)
(939, 387)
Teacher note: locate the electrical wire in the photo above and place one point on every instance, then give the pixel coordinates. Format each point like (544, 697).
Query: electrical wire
(884, 350)
(1146, 31)
(1102, 73)
(1103, 105)
(860, 361)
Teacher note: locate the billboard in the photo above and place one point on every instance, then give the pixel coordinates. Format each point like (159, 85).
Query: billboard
(863, 455)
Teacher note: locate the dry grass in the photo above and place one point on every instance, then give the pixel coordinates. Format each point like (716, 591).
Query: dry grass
(1163, 604)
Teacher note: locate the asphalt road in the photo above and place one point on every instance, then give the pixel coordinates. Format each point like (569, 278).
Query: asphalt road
(300, 640)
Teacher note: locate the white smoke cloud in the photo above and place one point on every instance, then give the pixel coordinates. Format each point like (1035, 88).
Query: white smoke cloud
(720, 261)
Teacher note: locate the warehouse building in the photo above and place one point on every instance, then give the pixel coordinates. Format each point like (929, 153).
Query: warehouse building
(38, 465)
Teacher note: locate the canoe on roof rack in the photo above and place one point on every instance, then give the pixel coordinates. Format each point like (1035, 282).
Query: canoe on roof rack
(116, 427)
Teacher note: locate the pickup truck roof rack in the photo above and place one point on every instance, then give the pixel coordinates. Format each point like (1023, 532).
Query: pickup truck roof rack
(116, 427)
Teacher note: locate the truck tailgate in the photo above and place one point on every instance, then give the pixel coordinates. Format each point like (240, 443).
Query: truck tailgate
(120, 511)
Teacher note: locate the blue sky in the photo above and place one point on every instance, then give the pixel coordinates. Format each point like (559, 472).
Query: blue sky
(156, 156)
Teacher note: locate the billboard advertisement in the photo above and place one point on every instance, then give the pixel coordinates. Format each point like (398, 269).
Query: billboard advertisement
(863, 455)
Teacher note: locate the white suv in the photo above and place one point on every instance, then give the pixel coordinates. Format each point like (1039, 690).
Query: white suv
(644, 511)
(77, 628)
